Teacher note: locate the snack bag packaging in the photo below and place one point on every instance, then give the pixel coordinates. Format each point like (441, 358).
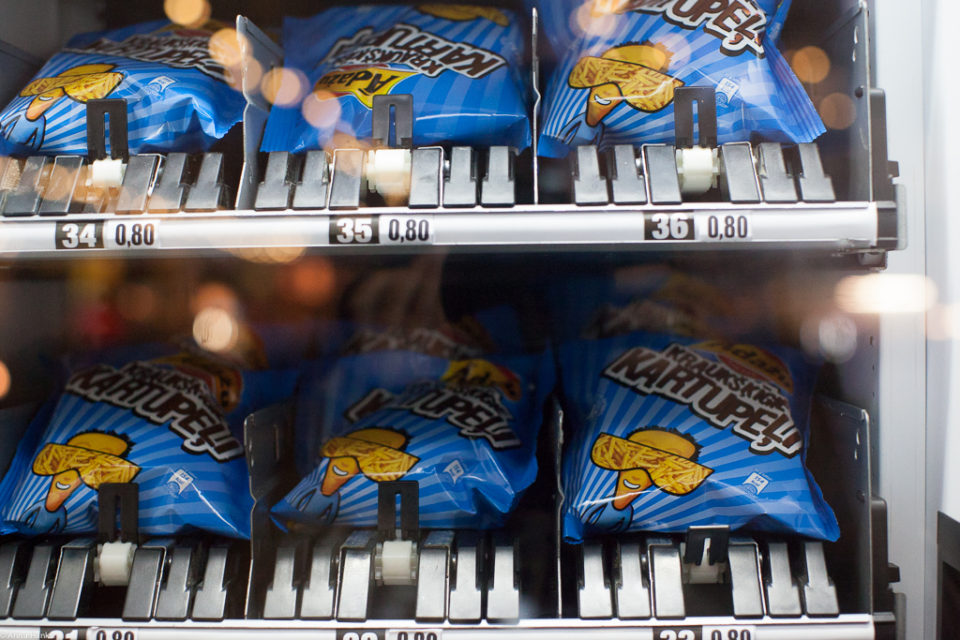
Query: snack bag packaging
(464, 430)
(461, 64)
(487, 331)
(179, 97)
(169, 421)
(619, 63)
(670, 432)
(660, 298)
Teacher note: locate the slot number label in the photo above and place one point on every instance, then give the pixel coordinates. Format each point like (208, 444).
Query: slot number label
(351, 230)
(79, 235)
(406, 230)
(725, 227)
(133, 235)
(660, 227)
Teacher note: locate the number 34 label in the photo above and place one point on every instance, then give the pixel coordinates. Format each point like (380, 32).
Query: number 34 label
(110, 234)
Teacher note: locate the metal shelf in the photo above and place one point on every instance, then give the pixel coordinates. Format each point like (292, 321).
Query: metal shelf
(846, 627)
(838, 227)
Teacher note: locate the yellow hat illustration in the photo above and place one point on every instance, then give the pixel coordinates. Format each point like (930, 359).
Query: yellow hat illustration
(82, 83)
(465, 12)
(674, 473)
(633, 73)
(483, 373)
(376, 452)
(94, 456)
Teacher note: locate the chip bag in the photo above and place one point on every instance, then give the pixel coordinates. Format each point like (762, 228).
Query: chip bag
(660, 298)
(464, 430)
(619, 63)
(179, 97)
(461, 64)
(170, 421)
(674, 432)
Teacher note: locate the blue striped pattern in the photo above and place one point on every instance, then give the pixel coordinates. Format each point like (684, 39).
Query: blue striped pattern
(216, 500)
(790, 503)
(189, 114)
(450, 108)
(491, 481)
(767, 99)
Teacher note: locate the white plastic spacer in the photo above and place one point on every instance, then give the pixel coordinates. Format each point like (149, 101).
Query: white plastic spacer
(388, 172)
(397, 562)
(107, 173)
(703, 573)
(698, 169)
(115, 562)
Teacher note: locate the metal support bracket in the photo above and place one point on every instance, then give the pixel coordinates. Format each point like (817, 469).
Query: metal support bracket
(400, 107)
(74, 579)
(433, 577)
(593, 596)
(97, 111)
(633, 586)
(503, 596)
(465, 595)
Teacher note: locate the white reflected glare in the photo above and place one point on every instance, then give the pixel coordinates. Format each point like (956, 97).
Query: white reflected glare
(832, 337)
(885, 293)
(943, 322)
(215, 330)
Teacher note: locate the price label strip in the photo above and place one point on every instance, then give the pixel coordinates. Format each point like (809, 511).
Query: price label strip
(110, 234)
(382, 230)
(391, 634)
(83, 633)
(705, 633)
(724, 227)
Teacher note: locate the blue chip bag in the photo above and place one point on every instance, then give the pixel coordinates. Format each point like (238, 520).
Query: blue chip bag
(671, 432)
(464, 430)
(171, 422)
(620, 61)
(461, 64)
(660, 298)
(179, 98)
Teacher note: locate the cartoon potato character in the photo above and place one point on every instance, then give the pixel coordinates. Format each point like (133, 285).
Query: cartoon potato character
(465, 13)
(92, 458)
(376, 453)
(647, 457)
(81, 84)
(631, 73)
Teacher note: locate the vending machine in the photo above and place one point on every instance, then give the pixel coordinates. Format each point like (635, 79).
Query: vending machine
(526, 318)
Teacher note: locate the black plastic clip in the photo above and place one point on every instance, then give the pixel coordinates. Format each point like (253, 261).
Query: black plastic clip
(124, 496)
(401, 106)
(97, 110)
(696, 539)
(409, 492)
(706, 101)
